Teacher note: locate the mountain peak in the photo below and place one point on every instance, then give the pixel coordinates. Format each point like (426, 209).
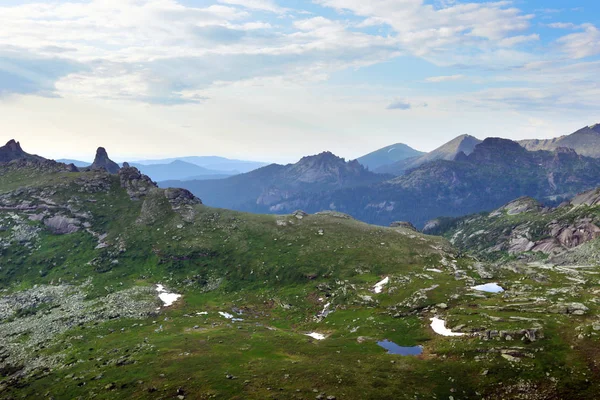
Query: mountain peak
(595, 127)
(103, 162)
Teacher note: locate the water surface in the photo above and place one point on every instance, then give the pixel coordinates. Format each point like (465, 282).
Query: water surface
(393, 348)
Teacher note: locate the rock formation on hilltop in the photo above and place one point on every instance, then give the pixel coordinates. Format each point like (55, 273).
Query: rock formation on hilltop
(13, 151)
(102, 162)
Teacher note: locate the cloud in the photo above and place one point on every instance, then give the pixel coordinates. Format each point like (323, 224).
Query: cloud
(446, 78)
(563, 25)
(263, 5)
(516, 40)
(399, 105)
(157, 50)
(445, 33)
(32, 75)
(582, 44)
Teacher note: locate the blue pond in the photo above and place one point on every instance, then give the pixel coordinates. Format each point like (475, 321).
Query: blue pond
(393, 348)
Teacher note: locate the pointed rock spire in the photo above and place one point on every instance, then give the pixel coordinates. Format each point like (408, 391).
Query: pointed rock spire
(102, 162)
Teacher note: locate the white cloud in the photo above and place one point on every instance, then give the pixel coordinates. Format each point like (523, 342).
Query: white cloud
(263, 5)
(515, 40)
(581, 44)
(441, 33)
(446, 78)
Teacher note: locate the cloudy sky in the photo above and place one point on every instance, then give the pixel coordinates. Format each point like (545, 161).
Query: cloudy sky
(278, 79)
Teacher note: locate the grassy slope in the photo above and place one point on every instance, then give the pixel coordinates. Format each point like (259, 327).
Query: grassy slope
(276, 272)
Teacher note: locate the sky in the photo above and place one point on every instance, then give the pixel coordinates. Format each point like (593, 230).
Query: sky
(274, 80)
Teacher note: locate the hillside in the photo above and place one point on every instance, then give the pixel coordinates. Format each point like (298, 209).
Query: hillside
(256, 191)
(527, 229)
(114, 288)
(448, 151)
(585, 141)
(388, 155)
(497, 171)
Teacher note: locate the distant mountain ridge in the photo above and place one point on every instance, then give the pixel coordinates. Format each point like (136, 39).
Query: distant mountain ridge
(585, 141)
(388, 155)
(258, 190)
(179, 170)
(222, 164)
(497, 171)
(448, 151)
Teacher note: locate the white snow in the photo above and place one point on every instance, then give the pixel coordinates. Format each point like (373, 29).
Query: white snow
(489, 287)
(378, 288)
(434, 270)
(392, 149)
(315, 335)
(167, 298)
(325, 311)
(202, 313)
(439, 327)
(226, 315)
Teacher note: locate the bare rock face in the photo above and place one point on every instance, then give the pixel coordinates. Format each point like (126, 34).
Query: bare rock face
(62, 225)
(519, 206)
(589, 198)
(102, 162)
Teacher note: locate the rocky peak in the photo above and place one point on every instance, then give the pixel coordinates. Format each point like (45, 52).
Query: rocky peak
(595, 128)
(496, 150)
(102, 162)
(13, 151)
(324, 158)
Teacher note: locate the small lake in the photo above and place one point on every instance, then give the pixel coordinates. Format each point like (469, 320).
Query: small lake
(393, 348)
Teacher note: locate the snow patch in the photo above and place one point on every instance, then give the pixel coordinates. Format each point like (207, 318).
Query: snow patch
(226, 315)
(378, 288)
(439, 327)
(315, 335)
(439, 271)
(167, 298)
(489, 288)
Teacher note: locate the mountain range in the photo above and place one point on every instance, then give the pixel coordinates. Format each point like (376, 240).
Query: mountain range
(260, 189)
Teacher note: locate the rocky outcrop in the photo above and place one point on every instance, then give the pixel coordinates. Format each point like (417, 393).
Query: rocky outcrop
(181, 197)
(589, 198)
(13, 151)
(519, 206)
(403, 224)
(102, 162)
(136, 183)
